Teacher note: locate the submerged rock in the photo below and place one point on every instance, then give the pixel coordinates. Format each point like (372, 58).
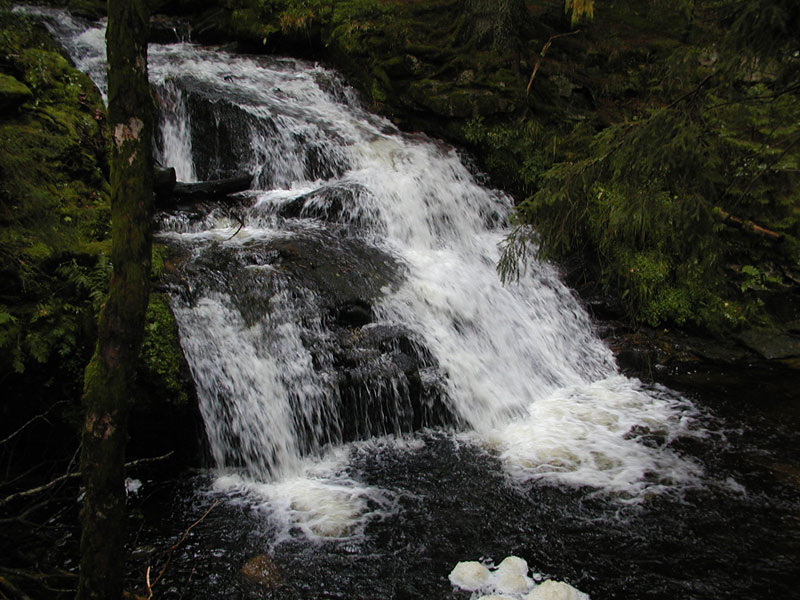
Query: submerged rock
(262, 571)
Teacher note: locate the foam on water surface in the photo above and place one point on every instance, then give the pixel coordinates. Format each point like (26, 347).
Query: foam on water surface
(320, 501)
(509, 580)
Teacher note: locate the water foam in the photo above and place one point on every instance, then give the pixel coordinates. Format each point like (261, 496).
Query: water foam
(510, 579)
(319, 500)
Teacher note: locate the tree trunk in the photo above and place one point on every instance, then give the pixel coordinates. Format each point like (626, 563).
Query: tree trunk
(110, 376)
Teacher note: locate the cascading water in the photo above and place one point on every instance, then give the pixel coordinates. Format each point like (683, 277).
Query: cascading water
(367, 381)
(518, 365)
(515, 367)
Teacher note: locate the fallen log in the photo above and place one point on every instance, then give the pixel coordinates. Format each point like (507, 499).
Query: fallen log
(169, 193)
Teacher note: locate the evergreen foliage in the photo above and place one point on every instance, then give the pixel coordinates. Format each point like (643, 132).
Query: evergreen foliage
(716, 133)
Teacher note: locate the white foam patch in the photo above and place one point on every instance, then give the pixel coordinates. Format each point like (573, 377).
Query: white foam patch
(469, 575)
(593, 434)
(511, 583)
(321, 502)
(509, 580)
(555, 590)
(513, 565)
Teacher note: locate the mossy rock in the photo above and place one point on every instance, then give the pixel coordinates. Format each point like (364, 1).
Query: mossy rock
(13, 93)
(54, 206)
(163, 368)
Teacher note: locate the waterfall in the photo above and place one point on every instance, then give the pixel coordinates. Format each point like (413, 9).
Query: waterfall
(352, 294)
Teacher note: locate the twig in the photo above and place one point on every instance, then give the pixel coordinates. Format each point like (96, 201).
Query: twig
(541, 56)
(31, 420)
(696, 90)
(14, 590)
(47, 486)
(41, 579)
(172, 549)
(241, 224)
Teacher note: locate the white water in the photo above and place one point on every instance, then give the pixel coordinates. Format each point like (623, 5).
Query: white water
(524, 373)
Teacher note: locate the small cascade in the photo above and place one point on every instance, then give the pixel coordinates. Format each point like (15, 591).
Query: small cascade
(352, 293)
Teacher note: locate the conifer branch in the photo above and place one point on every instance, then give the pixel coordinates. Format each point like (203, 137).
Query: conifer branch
(693, 92)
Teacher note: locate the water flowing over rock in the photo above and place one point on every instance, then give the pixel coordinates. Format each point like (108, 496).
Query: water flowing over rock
(352, 292)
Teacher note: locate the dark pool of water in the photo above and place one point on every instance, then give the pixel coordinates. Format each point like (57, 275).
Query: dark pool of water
(718, 541)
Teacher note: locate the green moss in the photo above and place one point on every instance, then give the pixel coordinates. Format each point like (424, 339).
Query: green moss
(54, 207)
(163, 368)
(13, 93)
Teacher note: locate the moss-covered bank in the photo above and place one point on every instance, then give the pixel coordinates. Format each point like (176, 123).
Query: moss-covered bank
(54, 258)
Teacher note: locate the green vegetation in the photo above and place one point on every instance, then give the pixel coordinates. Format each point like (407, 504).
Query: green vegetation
(648, 197)
(55, 224)
(579, 11)
(53, 209)
(162, 366)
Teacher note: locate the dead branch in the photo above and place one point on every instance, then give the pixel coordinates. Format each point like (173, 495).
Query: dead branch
(747, 226)
(541, 56)
(75, 475)
(31, 420)
(241, 224)
(151, 585)
(12, 589)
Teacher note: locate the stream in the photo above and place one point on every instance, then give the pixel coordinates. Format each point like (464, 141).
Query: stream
(378, 406)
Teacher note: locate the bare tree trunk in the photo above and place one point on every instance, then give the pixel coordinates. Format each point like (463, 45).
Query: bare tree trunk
(110, 376)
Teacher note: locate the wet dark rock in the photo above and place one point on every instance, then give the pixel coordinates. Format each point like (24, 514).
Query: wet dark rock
(164, 180)
(225, 133)
(329, 202)
(87, 9)
(169, 30)
(637, 359)
(770, 344)
(355, 313)
(262, 571)
(385, 379)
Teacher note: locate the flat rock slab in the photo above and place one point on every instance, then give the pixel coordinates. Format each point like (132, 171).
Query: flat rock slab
(770, 344)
